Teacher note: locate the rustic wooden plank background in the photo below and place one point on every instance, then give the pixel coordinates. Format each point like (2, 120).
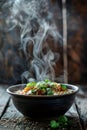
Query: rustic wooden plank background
(13, 62)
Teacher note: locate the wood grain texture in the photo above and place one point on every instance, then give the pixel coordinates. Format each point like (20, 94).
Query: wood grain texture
(81, 102)
(13, 120)
(4, 99)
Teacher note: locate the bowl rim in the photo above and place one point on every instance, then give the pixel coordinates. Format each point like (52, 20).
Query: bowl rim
(12, 93)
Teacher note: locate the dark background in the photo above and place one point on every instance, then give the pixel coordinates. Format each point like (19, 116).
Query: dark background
(13, 61)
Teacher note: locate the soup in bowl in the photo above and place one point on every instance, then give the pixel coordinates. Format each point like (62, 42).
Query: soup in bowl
(44, 99)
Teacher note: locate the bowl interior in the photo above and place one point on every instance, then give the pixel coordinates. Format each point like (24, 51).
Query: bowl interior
(12, 90)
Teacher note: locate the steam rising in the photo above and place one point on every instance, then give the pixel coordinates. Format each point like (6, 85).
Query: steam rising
(36, 23)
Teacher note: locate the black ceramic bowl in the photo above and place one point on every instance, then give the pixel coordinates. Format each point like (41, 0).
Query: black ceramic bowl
(42, 107)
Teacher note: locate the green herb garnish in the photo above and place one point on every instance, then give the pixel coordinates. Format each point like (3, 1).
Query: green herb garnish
(41, 85)
(49, 91)
(31, 84)
(54, 124)
(62, 122)
(47, 80)
(63, 87)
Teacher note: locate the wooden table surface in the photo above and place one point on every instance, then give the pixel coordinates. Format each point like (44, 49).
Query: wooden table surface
(11, 119)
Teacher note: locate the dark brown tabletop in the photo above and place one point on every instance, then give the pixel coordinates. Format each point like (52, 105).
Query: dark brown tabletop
(11, 119)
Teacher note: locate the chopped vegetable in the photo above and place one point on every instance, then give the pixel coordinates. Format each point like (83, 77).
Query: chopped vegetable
(49, 91)
(45, 87)
(47, 80)
(31, 84)
(63, 87)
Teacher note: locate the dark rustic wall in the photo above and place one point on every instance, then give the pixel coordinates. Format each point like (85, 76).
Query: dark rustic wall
(13, 62)
(77, 38)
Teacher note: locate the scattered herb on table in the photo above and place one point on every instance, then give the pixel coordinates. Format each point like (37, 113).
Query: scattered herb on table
(61, 122)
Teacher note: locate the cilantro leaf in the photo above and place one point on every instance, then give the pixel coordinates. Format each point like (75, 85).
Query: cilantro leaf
(63, 87)
(62, 122)
(47, 80)
(54, 124)
(31, 84)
